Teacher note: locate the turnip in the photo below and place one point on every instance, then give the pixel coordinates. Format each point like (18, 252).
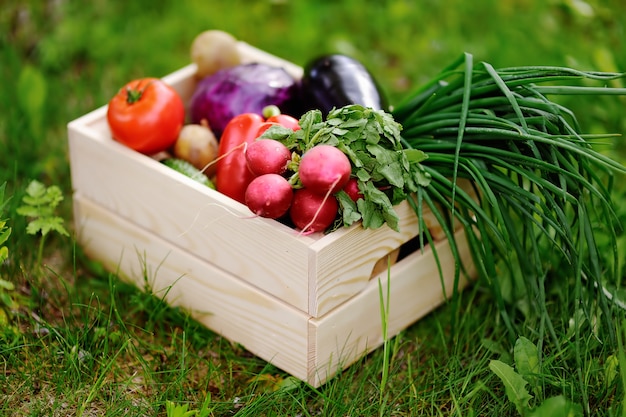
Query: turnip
(324, 169)
(312, 212)
(267, 156)
(269, 195)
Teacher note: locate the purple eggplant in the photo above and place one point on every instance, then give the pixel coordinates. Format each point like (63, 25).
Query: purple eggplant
(338, 80)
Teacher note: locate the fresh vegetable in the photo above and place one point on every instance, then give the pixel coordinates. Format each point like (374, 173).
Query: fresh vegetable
(352, 189)
(337, 80)
(146, 115)
(232, 173)
(187, 169)
(197, 144)
(267, 156)
(324, 169)
(273, 114)
(245, 88)
(214, 50)
(269, 195)
(311, 212)
(386, 172)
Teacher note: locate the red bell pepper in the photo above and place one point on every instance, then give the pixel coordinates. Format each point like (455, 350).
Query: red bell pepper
(285, 120)
(232, 173)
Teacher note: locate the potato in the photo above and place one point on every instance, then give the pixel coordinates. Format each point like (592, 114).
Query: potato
(213, 50)
(197, 145)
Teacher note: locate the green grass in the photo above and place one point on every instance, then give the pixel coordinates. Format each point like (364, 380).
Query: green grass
(75, 339)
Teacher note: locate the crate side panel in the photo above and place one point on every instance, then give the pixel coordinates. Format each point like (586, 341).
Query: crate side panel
(267, 327)
(354, 328)
(344, 260)
(193, 217)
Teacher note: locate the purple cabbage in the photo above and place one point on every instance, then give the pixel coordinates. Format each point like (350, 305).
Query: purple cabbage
(245, 88)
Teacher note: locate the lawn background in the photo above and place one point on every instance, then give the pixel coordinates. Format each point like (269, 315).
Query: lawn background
(76, 340)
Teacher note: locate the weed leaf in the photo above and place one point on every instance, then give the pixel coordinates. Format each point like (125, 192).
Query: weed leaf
(5, 232)
(527, 359)
(514, 385)
(204, 410)
(45, 225)
(558, 406)
(610, 370)
(4, 253)
(28, 211)
(6, 285)
(174, 410)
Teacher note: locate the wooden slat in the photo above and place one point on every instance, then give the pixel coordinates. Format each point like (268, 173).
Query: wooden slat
(272, 330)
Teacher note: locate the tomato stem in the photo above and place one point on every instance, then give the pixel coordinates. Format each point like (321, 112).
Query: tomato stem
(133, 95)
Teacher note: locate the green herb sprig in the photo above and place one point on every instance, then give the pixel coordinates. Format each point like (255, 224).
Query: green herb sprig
(39, 204)
(544, 192)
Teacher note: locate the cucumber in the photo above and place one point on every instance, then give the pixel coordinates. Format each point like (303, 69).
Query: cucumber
(185, 168)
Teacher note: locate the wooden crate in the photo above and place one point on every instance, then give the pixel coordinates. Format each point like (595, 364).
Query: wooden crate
(308, 304)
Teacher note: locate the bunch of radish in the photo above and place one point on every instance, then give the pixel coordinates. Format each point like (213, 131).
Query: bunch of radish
(346, 167)
(310, 202)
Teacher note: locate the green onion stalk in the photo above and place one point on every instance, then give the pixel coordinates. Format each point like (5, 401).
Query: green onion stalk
(543, 194)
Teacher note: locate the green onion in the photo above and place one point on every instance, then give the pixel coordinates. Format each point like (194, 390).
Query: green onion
(542, 188)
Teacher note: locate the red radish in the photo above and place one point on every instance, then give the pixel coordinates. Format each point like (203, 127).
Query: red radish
(269, 195)
(267, 156)
(323, 169)
(352, 189)
(313, 212)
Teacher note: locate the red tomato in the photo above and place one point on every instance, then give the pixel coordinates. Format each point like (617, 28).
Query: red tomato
(146, 115)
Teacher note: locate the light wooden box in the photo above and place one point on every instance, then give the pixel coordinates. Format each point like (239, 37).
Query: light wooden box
(308, 304)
